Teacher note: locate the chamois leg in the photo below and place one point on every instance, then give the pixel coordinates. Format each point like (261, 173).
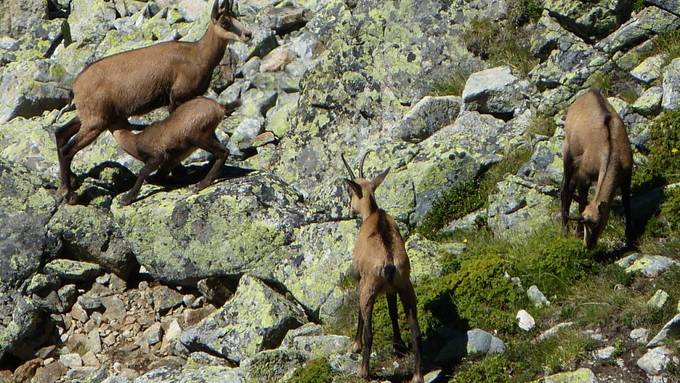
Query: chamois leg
(62, 135)
(80, 140)
(148, 168)
(566, 192)
(366, 301)
(358, 342)
(212, 145)
(582, 203)
(397, 342)
(627, 212)
(408, 299)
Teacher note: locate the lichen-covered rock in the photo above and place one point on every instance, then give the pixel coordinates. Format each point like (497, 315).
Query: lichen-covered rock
(656, 360)
(545, 165)
(428, 116)
(90, 234)
(481, 342)
(649, 102)
(26, 205)
(320, 346)
(19, 319)
(89, 20)
(495, 91)
(648, 265)
(672, 6)
(204, 374)
(272, 366)
(582, 375)
(255, 319)
(19, 16)
(233, 227)
(517, 207)
(650, 20)
(650, 69)
(588, 20)
(73, 271)
(424, 256)
(671, 85)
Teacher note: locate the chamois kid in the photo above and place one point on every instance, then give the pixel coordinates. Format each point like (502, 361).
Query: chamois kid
(596, 148)
(163, 145)
(114, 88)
(380, 265)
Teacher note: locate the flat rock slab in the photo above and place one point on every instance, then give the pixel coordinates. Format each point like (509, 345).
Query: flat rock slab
(672, 328)
(582, 375)
(648, 265)
(73, 271)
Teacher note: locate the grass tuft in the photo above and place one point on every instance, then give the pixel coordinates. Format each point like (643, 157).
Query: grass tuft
(314, 371)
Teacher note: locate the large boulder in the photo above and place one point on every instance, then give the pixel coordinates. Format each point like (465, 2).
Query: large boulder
(236, 226)
(590, 19)
(90, 20)
(255, 319)
(671, 85)
(495, 91)
(18, 16)
(649, 21)
(428, 116)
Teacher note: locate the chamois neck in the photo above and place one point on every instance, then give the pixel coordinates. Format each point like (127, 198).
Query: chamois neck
(211, 47)
(368, 208)
(128, 141)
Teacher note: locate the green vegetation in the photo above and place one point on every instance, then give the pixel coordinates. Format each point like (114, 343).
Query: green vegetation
(494, 369)
(521, 12)
(451, 86)
(663, 161)
(543, 125)
(668, 43)
(670, 209)
(314, 371)
(500, 43)
(638, 5)
(466, 197)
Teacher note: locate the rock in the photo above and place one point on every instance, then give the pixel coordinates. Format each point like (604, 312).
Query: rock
(272, 365)
(424, 258)
(588, 21)
(526, 321)
(494, 91)
(517, 207)
(650, 69)
(193, 10)
(89, 21)
(244, 135)
(669, 5)
(232, 227)
(255, 319)
(605, 353)
(433, 376)
(165, 299)
(320, 346)
(671, 328)
(90, 360)
(26, 371)
(648, 265)
(671, 85)
(51, 373)
(639, 335)
(276, 60)
(287, 19)
(78, 313)
(656, 360)
(205, 374)
(153, 334)
(649, 102)
(659, 300)
(428, 116)
(648, 21)
(536, 297)
(549, 333)
(582, 375)
(94, 343)
(71, 360)
(481, 342)
(173, 332)
(91, 235)
(18, 16)
(73, 271)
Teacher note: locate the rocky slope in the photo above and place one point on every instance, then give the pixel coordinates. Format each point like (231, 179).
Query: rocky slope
(247, 280)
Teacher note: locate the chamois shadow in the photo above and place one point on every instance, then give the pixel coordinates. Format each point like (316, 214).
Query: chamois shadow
(193, 174)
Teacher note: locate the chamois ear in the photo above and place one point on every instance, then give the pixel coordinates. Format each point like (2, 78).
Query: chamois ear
(379, 179)
(354, 188)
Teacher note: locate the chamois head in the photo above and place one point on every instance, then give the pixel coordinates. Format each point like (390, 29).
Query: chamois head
(362, 190)
(593, 219)
(226, 25)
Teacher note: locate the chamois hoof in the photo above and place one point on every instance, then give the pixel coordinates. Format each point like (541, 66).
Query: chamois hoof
(71, 198)
(417, 379)
(126, 200)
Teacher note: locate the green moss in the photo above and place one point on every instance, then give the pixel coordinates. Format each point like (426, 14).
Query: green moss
(663, 161)
(500, 43)
(638, 5)
(494, 369)
(314, 371)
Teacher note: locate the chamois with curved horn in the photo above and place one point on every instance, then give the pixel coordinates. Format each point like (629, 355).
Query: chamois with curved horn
(380, 265)
(596, 149)
(114, 88)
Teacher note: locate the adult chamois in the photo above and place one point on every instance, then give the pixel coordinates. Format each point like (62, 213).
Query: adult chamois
(596, 148)
(114, 88)
(163, 145)
(380, 265)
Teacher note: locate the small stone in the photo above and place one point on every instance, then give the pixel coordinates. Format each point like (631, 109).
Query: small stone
(50, 373)
(153, 334)
(605, 353)
(639, 335)
(432, 376)
(90, 359)
(655, 361)
(582, 375)
(73, 271)
(174, 330)
(103, 279)
(72, 360)
(549, 333)
(481, 342)
(78, 313)
(536, 297)
(94, 343)
(650, 69)
(165, 299)
(649, 102)
(188, 299)
(659, 300)
(526, 321)
(648, 265)
(117, 284)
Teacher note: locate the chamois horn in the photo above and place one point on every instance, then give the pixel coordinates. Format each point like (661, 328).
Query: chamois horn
(215, 10)
(349, 168)
(361, 164)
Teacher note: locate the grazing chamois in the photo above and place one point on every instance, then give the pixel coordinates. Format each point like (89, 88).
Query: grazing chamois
(163, 145)
(114, 88)
(596, 148)
(380, 265)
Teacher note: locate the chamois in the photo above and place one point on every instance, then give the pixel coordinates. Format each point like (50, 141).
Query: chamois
(163, 145)
(114, 88)
(380, 264)
(596, 147)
